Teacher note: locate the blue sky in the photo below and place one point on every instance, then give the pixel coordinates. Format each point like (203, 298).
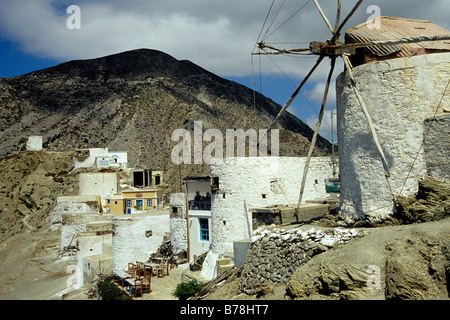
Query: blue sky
(217, 35)
(15, 62)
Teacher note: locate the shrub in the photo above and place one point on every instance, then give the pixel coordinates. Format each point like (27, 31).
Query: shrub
(185, 290)
(109, 291)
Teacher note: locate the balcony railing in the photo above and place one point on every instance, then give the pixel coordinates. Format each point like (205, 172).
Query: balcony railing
(199, 204)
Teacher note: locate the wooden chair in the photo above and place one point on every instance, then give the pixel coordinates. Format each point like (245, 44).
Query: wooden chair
(167, 266)
(164, 268)
(139, 268)
(154, 269)
(137, 288)
(131, 268)
(146, 281)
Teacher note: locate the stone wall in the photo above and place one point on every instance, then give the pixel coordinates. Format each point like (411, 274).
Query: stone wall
(68, 207)
(437, 146)
(74, 223)
(275, 254)
(246, 183)
(399, 94)
(178, 224)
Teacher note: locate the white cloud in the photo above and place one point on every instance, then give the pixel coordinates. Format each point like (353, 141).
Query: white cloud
(218, 35)
(316, 94)
(325, 128)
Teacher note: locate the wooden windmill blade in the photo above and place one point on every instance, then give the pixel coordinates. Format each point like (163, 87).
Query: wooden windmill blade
(341, 26)
(316, 131)
(299, 51)
(335, 31)
(333, 48)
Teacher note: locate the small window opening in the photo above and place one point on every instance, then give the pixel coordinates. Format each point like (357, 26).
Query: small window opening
(215, 184)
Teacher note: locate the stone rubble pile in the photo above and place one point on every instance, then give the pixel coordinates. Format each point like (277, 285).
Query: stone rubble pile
(275, 254)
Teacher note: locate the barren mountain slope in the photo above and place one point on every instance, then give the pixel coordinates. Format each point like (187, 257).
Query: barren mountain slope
(133, 101)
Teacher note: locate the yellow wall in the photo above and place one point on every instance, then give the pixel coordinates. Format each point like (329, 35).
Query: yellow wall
(149, 200)
(116, 206)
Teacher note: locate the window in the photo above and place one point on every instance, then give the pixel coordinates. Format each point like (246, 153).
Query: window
(204, 229)
(128, 203)
(149, 202)
(215, 184)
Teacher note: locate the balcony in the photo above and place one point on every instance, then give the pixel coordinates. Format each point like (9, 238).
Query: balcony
(200, 205)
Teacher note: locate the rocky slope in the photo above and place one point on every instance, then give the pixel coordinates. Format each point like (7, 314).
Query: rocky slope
(29, 184)
(399, 262)
(133, 101)
(404, 262)
(407, 258)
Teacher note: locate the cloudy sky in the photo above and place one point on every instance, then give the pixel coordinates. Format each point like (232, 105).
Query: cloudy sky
(218, 35)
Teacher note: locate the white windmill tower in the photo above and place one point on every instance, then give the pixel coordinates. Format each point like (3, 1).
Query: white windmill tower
(334, 49)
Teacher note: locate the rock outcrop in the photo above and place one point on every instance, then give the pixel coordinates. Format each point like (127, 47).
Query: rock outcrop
(29, 185)
(397, 262)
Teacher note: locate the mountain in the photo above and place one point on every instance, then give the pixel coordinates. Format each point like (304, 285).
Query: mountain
(133, 101)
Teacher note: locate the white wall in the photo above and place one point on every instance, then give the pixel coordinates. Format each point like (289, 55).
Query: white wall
(90, 161)
(399, 94)
(73, 223)
(178, 224)
(198, 246)
(130, 243)
(122, 157)
(242, 181)
(34, 143)
(89, 244)
(101, 184)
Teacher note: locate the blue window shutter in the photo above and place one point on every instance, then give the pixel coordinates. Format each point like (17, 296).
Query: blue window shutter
(204, 229)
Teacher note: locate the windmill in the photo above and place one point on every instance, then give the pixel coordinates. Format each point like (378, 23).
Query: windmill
(334, 49)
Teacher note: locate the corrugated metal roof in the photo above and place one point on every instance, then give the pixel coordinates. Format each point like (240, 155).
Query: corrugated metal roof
(396, 28)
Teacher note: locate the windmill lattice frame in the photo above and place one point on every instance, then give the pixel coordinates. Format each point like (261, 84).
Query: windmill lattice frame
(333, 49)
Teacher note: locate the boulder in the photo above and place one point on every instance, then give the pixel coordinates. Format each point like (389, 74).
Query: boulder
(395, 262)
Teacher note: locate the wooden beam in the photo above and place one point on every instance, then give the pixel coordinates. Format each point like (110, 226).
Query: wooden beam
(323, 16)
(316, 132)
(338, 30)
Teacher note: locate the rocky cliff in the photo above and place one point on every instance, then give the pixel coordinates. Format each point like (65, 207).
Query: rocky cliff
(133, 101)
